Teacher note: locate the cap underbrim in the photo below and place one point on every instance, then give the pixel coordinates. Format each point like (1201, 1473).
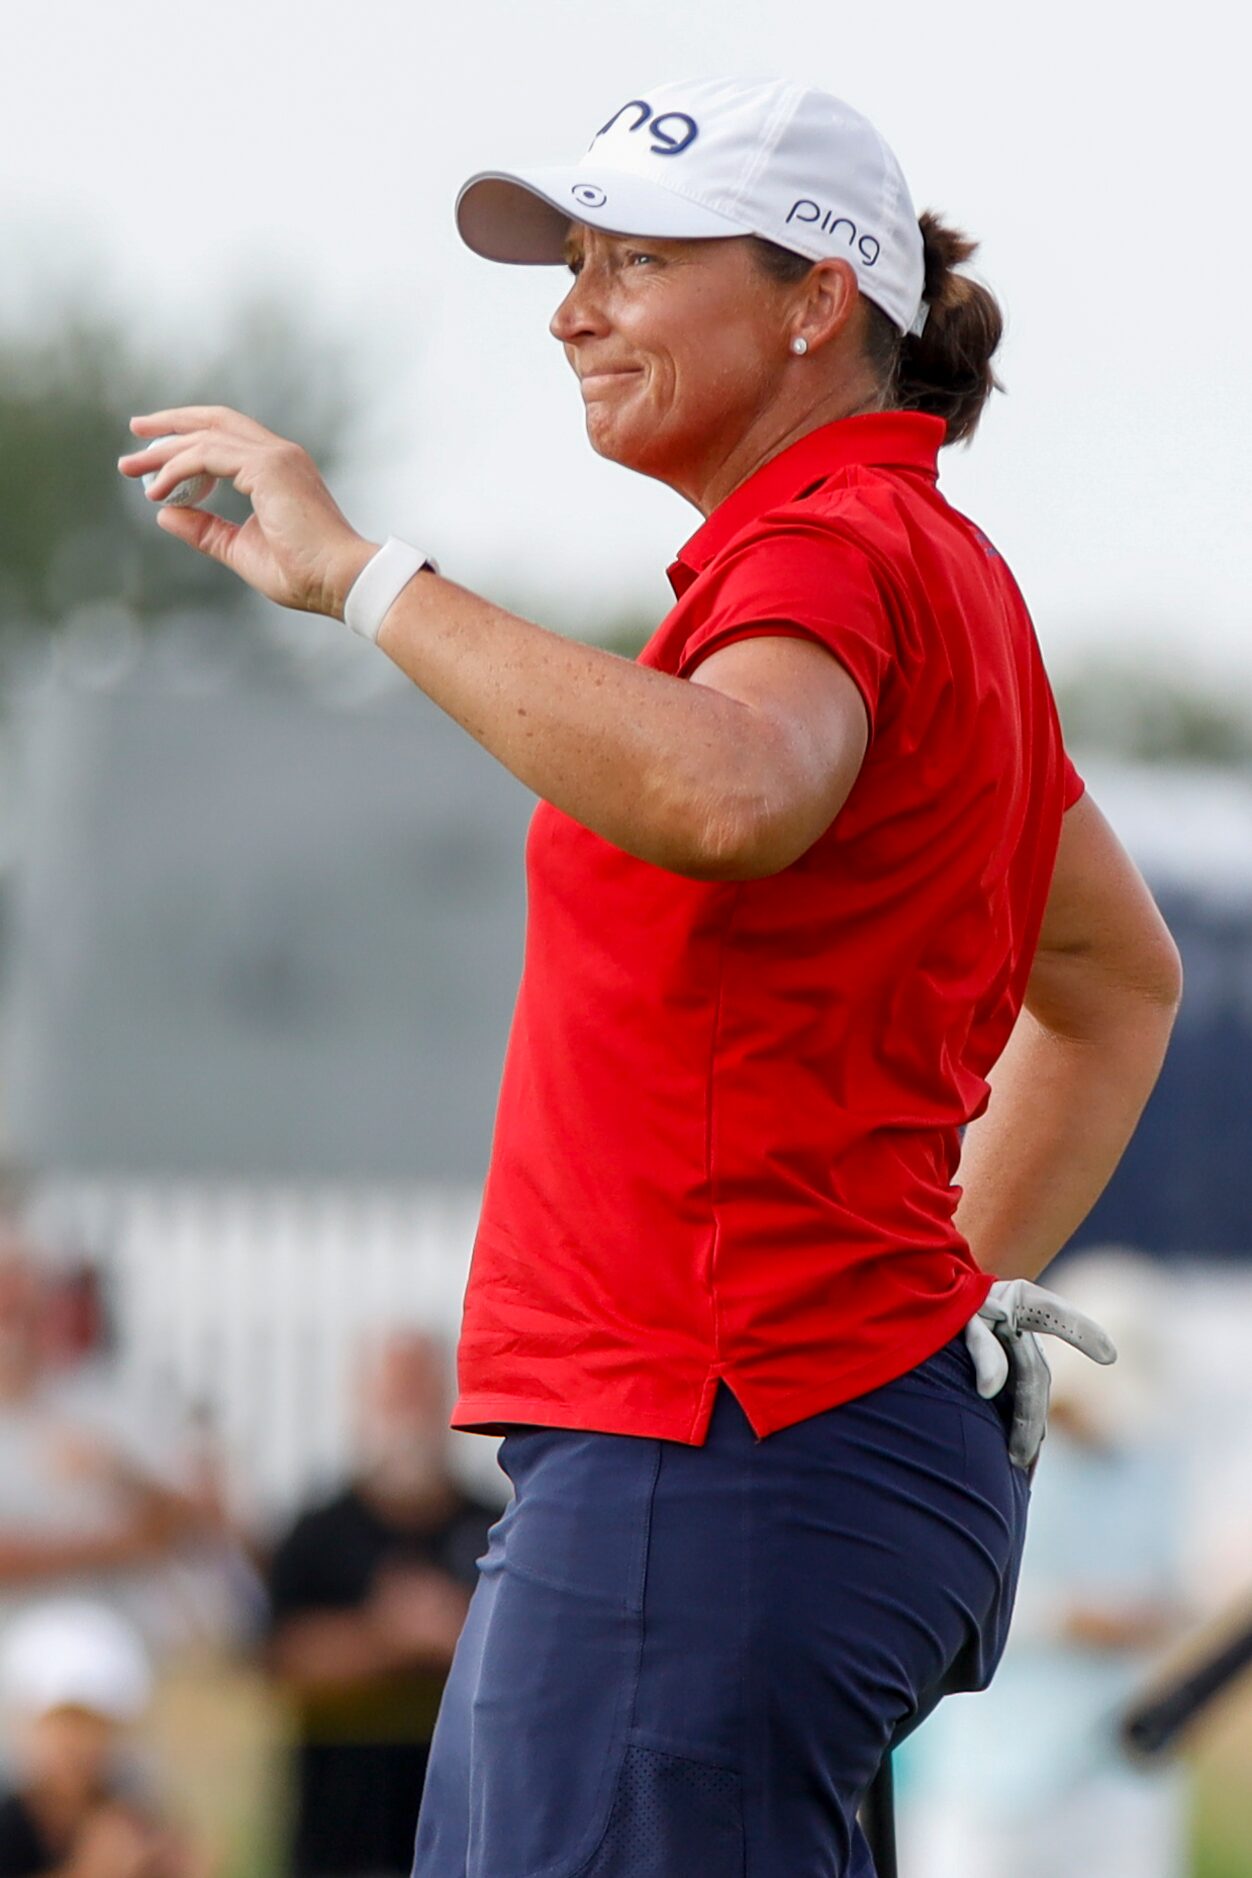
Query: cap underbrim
(524, 215)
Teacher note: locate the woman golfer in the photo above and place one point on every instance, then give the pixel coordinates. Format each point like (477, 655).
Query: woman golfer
(806, 880)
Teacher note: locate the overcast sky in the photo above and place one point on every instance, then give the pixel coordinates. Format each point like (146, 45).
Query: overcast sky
(163, 157)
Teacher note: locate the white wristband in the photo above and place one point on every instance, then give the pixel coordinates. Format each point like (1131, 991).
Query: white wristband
(378, 585)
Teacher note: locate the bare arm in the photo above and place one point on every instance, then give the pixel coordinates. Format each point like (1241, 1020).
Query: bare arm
(1082, 1059)
(412, 1621)
(725, 777)
(148, 1517)
(25, 1559)
(344, 1649)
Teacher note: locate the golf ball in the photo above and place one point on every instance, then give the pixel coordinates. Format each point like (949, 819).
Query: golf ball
(186, 494)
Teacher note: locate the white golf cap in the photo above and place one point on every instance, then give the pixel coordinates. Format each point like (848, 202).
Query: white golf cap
(73, 1653)
(711, 157)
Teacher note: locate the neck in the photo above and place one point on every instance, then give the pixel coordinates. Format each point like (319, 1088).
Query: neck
(772, 433)
(414, 1506)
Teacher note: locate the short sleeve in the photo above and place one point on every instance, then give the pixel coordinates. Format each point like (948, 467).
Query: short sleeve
(1074, 784)
(302, 1573)
(803, 582)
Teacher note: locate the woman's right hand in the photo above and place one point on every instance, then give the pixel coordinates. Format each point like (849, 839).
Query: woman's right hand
(296, 547)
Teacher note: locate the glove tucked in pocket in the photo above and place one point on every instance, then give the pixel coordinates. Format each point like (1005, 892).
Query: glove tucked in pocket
(1002, 1341)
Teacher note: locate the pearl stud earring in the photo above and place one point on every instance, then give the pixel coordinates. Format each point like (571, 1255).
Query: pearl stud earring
(799, 345)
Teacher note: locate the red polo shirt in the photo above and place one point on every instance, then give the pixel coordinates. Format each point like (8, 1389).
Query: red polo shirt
(728, 1123)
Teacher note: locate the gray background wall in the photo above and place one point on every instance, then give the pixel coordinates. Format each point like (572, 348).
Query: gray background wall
(254, 931)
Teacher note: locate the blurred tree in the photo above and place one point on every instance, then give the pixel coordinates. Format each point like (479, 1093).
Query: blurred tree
(1147, 715)
(72, 531)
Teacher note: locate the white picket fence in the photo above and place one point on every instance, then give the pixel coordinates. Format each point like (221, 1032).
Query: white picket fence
(247, 1306)
(249, 1303)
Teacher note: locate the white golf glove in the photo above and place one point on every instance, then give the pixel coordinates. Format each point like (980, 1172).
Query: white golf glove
(1002, 1334)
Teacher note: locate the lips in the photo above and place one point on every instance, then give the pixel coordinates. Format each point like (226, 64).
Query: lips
(605, 376)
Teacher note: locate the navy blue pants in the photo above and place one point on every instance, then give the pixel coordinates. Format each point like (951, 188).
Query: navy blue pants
(688, 1662)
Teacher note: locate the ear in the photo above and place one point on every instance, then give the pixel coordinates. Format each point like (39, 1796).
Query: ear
(828, 300)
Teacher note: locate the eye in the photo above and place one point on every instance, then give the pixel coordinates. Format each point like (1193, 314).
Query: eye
(638, 254)
(574, 263)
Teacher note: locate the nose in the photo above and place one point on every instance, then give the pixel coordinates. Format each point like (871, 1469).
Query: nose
(581, 313)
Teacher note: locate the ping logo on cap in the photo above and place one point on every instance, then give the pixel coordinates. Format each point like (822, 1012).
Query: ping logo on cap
(671, 132)
(828, 220)
(589, 195)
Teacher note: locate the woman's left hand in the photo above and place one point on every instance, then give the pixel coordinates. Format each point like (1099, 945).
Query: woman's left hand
(296, 547)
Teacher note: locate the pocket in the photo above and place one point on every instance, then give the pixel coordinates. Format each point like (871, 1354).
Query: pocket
(949, 1372)
(578, 1520)
(560, 1660)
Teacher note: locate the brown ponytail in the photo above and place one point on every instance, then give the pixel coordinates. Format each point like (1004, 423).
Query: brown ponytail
(945, 370)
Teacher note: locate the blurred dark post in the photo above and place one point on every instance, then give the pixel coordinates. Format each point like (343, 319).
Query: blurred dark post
(1152, 1726)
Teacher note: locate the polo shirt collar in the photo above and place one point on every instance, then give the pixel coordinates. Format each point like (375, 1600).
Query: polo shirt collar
(882, 439)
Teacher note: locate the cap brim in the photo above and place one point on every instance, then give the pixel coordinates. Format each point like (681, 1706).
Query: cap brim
(524, 215)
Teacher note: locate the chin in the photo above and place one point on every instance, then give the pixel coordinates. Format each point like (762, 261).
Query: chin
(630, 445)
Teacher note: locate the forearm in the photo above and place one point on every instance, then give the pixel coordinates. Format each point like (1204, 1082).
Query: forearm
(328, 1652)
(25, 1560)
(341, 1650)
(164, 1514)
(726, 781)
(1062, 1110)
(672, 772)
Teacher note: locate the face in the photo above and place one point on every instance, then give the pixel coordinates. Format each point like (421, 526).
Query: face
(679, 347)
(402, 1413)
(69, 1748)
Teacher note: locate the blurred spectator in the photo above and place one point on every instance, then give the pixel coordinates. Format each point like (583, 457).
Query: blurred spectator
(76, 1324)
(1029, 1778)
(369, 1591)
(92, 1499)
(74, 1679)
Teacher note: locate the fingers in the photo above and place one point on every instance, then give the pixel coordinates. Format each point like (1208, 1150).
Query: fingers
(173, 459)
(291, 546)
(208, 534)
(198, 430)
(222, 454)
(198, 417)
(140, 462)
(991, 1364)
(152, 462)
(230, 460)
